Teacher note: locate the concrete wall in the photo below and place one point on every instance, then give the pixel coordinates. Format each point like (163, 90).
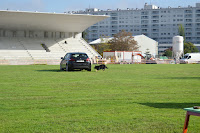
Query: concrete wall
(38, 34)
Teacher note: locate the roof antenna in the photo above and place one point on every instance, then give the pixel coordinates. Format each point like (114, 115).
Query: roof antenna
(89, 3)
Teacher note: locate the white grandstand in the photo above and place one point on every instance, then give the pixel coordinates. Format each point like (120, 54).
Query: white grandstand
(42, 38)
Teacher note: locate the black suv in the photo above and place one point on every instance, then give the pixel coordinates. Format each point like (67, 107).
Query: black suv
(75, 60)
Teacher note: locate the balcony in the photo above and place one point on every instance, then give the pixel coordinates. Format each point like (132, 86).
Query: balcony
(113, 14)
(155, 26)
(188, 11)
(198, 24)
(94, 27)
(188, 20)
(188, 34)
(114, 22)
(114, 18)
(155, 30)
(164, 47)
(188, 38)
(188, 25)
(155, 21)
(155, 34)
(144, 17)
(188, 16)
(197, 20)
(113, 31)
(197, 29)
(155, 17)
(144, 13)
(197, 33)
(198, 11)
(144, 22)
(198, 15)
(114, 27)
(94, 31)
(188, 29)
(144, 26)
(154, 12)
(144, 30)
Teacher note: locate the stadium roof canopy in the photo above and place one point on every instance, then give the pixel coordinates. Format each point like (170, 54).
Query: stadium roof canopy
(17, 20)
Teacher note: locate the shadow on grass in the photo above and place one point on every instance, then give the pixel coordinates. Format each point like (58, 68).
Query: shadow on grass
(170, 105)
(50, 70)
(180, 78)
(58, 70)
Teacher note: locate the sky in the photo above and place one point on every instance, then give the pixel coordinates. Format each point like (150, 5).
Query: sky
(60, 6)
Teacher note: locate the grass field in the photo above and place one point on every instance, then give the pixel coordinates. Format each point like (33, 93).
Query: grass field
(124, 98)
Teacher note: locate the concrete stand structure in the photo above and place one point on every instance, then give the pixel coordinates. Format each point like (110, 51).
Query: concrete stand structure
(42, 38)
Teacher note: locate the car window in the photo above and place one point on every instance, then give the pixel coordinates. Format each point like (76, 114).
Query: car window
(79, 56)
(66, 56)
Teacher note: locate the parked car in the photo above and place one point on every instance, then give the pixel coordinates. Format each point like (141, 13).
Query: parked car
(75, 60)
(190, 58)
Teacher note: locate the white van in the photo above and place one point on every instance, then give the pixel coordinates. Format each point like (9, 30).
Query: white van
(190, 58)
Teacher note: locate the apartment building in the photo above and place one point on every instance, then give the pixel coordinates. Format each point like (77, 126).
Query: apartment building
(160, 24)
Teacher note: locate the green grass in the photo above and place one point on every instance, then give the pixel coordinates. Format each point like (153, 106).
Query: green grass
(124, 98)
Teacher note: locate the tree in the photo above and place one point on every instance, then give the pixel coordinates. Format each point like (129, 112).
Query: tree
(181, 31)
(103, 45)
(123, 41)
(100, 48)
(168, 53)
(190, 48)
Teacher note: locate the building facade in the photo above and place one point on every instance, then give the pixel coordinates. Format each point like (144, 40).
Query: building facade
(160, 24)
